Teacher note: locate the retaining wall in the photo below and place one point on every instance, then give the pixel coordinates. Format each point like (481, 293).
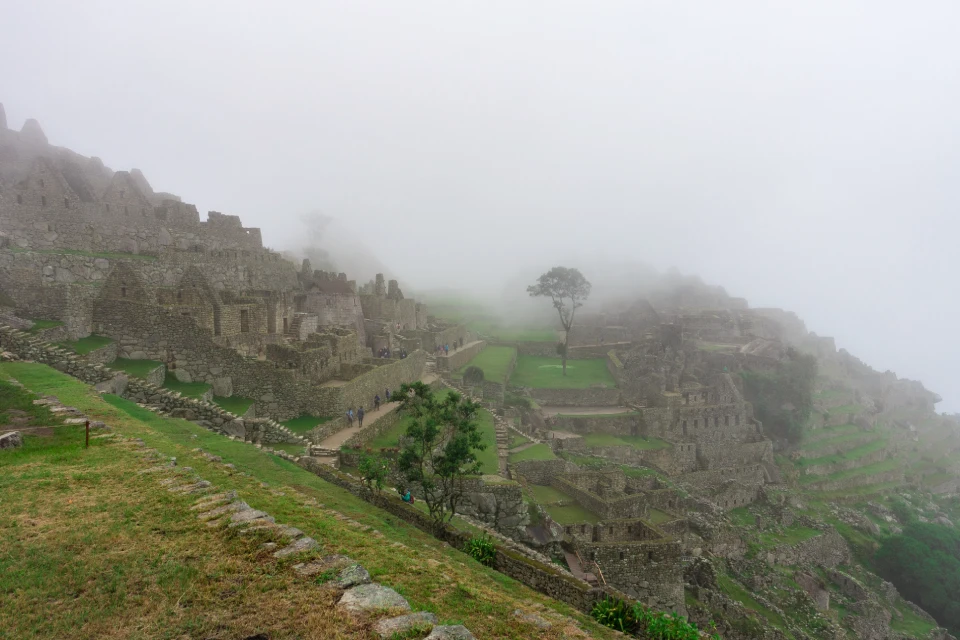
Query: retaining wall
(591, 397)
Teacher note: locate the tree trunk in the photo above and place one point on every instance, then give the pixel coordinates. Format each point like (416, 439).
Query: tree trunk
(566, 346)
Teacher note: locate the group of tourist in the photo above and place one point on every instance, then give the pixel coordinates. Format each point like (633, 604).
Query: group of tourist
(357, 415)
(385, 353)
(444, 349)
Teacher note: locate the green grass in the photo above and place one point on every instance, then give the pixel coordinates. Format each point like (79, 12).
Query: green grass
(812, 446)
(911, 624)
(135, 368)
(547, 373)
(304, 423)
(571, 515)
(390, 439)
(237, 405)
(548, 495)
(93, 549)
(868, 470)
(518, 440)
(289, 447)
(741, 517)
(188, 389)
(637, 442)
(656, 517)
(789, 536)
(495, 329)
(89, 254)
(853, 454)
(495, 362)
(536, 452)
(40, 325)
(816, 436)
(84, 346)
(737, 592)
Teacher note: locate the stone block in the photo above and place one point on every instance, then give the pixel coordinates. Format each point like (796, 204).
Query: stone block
(11, 440)
(182, 376)
(223, 386)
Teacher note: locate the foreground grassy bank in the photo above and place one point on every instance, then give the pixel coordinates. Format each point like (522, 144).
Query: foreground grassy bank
(95, 551)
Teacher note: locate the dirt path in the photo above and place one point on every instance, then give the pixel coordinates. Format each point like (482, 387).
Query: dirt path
(584, 411)
(336, 440)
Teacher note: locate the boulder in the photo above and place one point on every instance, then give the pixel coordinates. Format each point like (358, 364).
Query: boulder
(390, 627)
(297, 546)
(182, 376)
(117, 385)
(451, 632)
(223, 387)
(235, 428)
(372, 597)
(11, 440)
(183, 412)
(352, 576)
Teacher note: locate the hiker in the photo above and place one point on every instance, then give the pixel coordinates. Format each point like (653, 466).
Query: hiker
(446, 349)
(350, 417)
(376, 402)
(406, 496)
(360, 416)
(388, 395)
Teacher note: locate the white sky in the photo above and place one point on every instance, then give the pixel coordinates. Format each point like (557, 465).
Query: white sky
(802, 154)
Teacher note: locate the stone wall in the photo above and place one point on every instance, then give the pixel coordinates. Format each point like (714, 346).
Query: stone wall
(650, 572)
(361, 390)
(591, 397)
(618, 424)
(720, 456)
(893, 475)
(104, 355)
(373, 430)
(749, 475)
(459, 357)
(541, 472)
(827, 550)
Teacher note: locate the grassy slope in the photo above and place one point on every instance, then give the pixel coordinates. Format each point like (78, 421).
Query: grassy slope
(536, 452)
(189, 389)
(431, 575)
(547, 373)
(304, 423)
(494, 361)
(84, 346)
(40, 325)
(237, 405)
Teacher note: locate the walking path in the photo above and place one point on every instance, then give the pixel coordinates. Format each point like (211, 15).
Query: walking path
(551, 411)
(336, 440)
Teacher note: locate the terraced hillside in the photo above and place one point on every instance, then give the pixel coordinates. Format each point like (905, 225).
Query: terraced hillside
(132, 560)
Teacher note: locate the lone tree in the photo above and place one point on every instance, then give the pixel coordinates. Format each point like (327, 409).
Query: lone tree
(440, 447)
(561, 285)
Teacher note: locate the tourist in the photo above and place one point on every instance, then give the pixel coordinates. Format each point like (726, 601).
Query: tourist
(388, 395)
(376, 402)
(405, 495)
(350, 417)
(360, 416)
(446, 349)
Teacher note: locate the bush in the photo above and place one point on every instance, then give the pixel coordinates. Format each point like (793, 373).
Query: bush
(482, 549)
(639, 620)
(614, 613)
(473, 375)
(373, 470)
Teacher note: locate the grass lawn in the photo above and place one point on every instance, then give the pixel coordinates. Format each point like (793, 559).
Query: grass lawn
(536, 452)
(494, 361)
(135, 368)
(637, 442)
(741, 517)
(656, 517)
(547, 373)
(868, 470)
(518, 440)
(84, 346)
(189, 389)
(547, 495)
(853, 454)
(571, 515)
(237, 405)
(40, 325)
(304, 423)
(789, 536)
(92, 549)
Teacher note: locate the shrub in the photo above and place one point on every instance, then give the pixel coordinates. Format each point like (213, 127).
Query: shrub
(614, 613)
(482, 549)
(373, 471)
(473, 375)
(639, 620)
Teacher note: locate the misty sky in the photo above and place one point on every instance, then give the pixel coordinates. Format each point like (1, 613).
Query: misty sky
(803, 155)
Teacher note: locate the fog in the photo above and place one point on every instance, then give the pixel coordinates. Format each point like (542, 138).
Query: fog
(802, 155)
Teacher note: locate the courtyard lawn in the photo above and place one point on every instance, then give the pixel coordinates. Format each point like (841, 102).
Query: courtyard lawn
(304, 423)
(84, 346)
(573, 514)
(495, 361)
(547, 373)
(135, 368)
(548, 495)
(188, 389)
(237, 405)
(40, 325)
(518, 440)
(536, 452)
(637, 442)
(655, 517)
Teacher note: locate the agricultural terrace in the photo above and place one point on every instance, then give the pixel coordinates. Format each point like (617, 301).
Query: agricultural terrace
(547, 373)
(495, 362)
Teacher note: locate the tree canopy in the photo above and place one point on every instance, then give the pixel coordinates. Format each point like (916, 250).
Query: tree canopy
(567, 289)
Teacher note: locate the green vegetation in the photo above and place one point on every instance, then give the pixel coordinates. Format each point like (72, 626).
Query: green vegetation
(637, 442)
(135, 368)
(547, 373)
(89, 254)
(867, 470)
(742, 517)
(924, 564)
(84, 346)
(548, 495)
(853, 454)
(438, 448)
(494, 361)
(304, 423)
(783, 400)
(572, 514)
(40, 325)
(237, 405)
(536, 452)
(656, 517)
(640, 621)
(188, 389)
(567, 289)
(823, 438)
(481, 549)
(77, 521)
(737, 592)
(790, 536)
(517, 440)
